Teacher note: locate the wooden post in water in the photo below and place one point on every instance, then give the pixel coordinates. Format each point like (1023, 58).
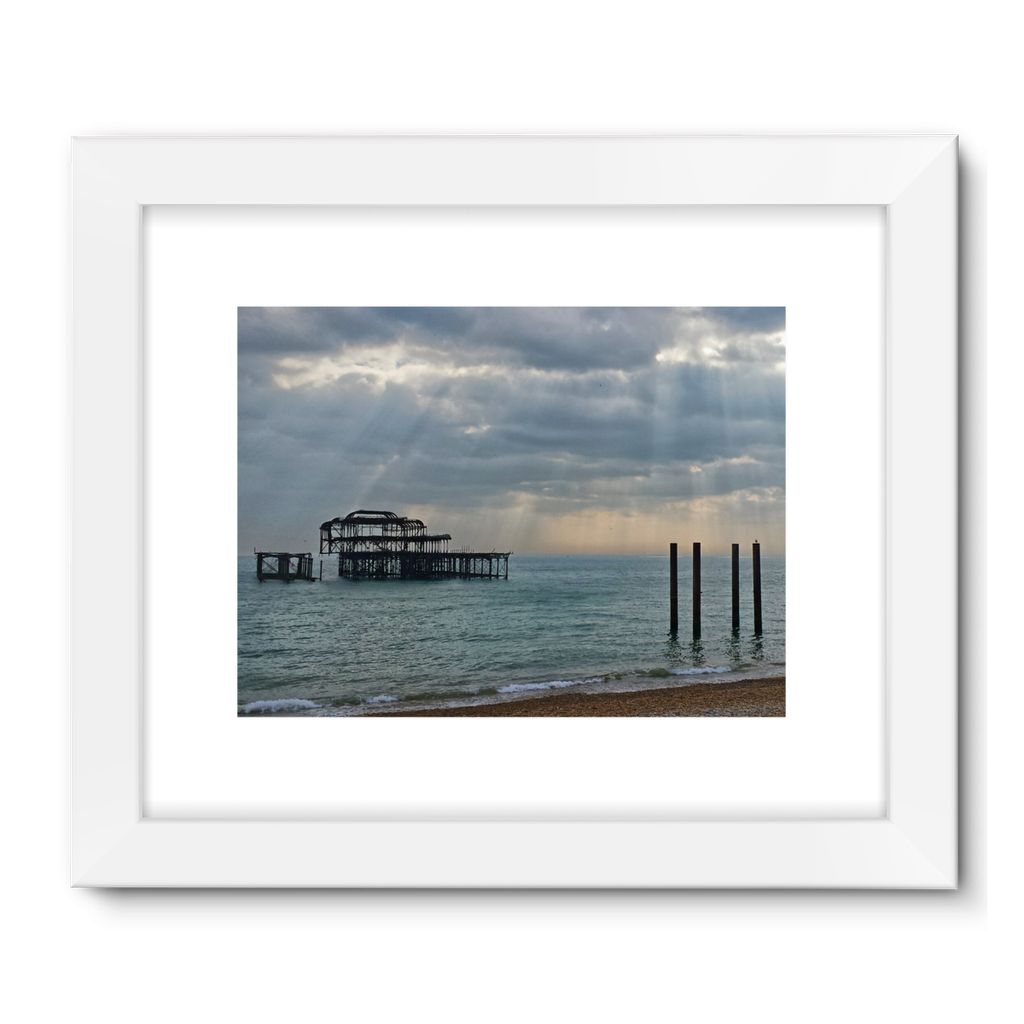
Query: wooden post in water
(673, 589)
(757, 588)
(696, 589)
(735, 586)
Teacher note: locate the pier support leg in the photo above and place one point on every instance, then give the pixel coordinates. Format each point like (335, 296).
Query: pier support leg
(757, 588)
(696, 589)
(735, 586)
(673, 589)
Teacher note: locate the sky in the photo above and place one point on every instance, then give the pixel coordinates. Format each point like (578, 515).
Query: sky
(578, 430)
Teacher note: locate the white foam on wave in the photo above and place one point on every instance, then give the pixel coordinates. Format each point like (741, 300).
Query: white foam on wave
(265, 707)
(382, 698)
(705, 670)
(551, 684)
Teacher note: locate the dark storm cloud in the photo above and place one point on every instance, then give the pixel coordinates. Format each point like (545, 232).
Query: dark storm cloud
(481, 407)
(752, 319)
(282, 332)
(543, 338)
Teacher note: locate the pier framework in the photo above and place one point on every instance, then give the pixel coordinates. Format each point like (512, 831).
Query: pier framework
(373, 544)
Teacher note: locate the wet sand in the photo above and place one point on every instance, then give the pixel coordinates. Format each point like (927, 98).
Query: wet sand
(748, 698)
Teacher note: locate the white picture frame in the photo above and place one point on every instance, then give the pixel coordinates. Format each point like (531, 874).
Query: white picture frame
(912, 845)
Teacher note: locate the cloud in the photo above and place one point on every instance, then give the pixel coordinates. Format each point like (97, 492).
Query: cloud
(530, 413)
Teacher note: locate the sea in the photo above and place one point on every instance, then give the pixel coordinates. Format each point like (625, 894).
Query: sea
(348, 647)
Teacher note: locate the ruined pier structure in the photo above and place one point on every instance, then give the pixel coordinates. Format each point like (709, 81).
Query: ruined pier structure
(372, 544)
(284, 566)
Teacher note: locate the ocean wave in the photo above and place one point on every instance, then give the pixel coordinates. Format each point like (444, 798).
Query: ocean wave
(704, 670)
(551, 684)
(269, 707)
(381, 698)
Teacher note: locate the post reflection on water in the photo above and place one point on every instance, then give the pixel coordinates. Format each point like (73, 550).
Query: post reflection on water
(757, 647)
(697, 651)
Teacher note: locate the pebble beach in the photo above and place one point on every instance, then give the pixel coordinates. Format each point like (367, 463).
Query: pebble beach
(748, 698)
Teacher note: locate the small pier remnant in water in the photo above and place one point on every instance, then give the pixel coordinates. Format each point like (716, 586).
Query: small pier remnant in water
(284, 566)
(373, 544)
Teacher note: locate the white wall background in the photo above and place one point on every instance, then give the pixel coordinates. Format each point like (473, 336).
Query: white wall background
(187, 67)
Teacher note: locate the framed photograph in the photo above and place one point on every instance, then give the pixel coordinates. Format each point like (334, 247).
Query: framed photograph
(515, 512)
(562, 446)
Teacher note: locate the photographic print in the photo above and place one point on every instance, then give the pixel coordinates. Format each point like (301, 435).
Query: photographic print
(511, 511)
